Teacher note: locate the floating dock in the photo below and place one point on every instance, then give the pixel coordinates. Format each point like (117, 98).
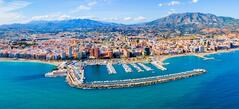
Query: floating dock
(127, 68)
(145, 67)
(140, 81)
(158, 65)
(111, 69)
(137, 67)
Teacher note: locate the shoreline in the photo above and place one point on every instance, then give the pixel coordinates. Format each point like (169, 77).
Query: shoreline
(55, 63)
(161, 58)
(199, 55)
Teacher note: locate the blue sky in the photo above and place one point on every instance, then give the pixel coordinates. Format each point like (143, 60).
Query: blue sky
(120, 11)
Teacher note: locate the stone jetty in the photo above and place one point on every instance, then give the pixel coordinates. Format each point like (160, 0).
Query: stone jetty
(136, 82)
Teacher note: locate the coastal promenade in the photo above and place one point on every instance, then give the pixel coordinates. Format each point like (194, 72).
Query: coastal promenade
(136, 82)
(149, 59)
(199, 55)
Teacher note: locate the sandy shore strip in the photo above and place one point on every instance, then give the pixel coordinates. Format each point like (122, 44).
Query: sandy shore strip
(52, 62)
(161, 58)
(200, 55)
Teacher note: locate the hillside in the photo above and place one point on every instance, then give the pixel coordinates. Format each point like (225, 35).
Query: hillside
(182, 23)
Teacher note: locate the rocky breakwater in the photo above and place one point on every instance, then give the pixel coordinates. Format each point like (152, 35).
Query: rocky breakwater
(132, 82)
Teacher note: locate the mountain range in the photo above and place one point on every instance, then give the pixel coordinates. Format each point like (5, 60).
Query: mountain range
(182, 22)
(200, 19)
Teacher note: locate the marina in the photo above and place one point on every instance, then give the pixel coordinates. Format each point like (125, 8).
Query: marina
(127, 68)
(137, 67)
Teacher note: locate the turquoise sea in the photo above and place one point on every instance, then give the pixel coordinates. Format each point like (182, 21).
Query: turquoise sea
(23, 86)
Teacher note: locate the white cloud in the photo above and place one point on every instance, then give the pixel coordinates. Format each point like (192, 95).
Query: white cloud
(70, 14)
(13, 6)
(67, 17)
(140, 18)
(171, 3)
(127, 19)
(44, 17)
(51, 17)
(87, 6)
(124, 19)
(194, 1)
(160, 4)
(171, 11)
(9, 11)
(59, 16)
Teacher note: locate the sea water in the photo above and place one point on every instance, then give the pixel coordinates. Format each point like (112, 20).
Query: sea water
(23, 86)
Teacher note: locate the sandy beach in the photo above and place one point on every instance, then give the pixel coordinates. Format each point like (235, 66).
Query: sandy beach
(56, 63)
(200, 55)
(160, 58)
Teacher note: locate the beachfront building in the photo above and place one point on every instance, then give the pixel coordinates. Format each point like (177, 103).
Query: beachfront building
(64, 48)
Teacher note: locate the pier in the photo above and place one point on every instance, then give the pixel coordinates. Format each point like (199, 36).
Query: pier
(111, 69)
(75, 75)
(158, 65)
(137, 67)
(145, 67)
(127, 68)
(140, 81)
(61, 72)
(204, 57)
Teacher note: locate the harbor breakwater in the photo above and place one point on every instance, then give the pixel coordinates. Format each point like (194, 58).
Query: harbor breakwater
(134, 82)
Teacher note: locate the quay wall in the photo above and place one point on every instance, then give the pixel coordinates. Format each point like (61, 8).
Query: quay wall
(136, 82)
